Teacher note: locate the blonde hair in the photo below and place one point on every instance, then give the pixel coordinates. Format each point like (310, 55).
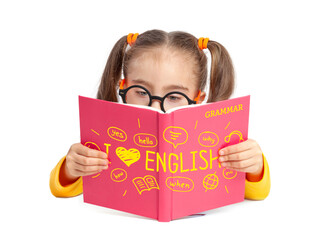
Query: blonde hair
(221, 70)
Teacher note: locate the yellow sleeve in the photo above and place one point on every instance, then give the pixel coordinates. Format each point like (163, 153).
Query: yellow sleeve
(59, 190)
(259, 190)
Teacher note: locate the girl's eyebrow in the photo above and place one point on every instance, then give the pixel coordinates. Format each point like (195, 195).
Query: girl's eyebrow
(140, 81)
(167, 88)
(175, 87)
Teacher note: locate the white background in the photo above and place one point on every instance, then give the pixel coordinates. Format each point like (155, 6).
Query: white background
(53, 51)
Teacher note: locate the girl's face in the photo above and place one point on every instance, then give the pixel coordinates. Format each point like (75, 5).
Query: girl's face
(162, 71)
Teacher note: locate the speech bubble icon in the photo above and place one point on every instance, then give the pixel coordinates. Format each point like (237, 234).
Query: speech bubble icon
(118, 175)
(175, 135)
(229, 174)
(208, 139)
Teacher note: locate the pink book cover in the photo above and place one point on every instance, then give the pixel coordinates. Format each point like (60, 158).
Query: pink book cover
(163, 165)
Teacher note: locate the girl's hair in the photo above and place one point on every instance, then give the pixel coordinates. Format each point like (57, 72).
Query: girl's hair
(221, 72)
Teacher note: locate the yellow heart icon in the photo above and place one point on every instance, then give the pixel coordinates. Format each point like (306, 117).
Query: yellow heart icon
(128, 156)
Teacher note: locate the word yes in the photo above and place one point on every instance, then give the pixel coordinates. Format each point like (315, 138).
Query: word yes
(115, 133)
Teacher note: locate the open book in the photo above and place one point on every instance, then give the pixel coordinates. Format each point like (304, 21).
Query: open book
(163, 165)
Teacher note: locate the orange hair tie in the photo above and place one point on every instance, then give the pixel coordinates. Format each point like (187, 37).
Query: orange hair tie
(203, 43)
(197, 98)
(122, 83)
(131, 38)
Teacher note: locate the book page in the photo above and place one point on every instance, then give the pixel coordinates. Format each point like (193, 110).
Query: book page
(190, 158)
(128, 135)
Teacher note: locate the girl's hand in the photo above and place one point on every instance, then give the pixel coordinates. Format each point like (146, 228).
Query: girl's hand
(244, 157)
(83, 161)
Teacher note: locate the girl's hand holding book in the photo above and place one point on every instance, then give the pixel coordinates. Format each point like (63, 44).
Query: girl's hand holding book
(244, 157)
(82, 161)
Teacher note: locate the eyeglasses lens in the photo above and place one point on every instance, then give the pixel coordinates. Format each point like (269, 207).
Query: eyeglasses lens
(138, 96)
(174, 100)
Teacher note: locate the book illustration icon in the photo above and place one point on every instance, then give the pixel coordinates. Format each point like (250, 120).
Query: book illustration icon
(128, 156)
(118, 175)
(92, 145)
(228, 138)
(175, 135)
(229, 174)
(208, 139)
(210, 181)
(146, 183)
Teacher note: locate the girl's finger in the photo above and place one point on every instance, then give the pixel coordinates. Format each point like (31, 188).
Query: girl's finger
(89, 169)
(239, 147)
(89, 161)
(88, 152)
(243, 164)
(249, 169)
(237, 156)
(81, 173)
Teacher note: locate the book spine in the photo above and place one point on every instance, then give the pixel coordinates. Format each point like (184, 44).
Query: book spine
(165, 195)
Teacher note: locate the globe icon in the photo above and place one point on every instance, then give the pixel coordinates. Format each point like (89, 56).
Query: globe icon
(210, 181)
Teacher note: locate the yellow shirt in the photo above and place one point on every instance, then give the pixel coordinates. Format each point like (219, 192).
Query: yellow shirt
(253, 190)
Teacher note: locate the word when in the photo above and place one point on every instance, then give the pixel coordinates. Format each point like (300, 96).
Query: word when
(180, 184)
(174, 162)
(225, 110)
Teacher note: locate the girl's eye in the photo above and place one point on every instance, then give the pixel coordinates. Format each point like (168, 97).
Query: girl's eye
(174, 98)
(141, 93)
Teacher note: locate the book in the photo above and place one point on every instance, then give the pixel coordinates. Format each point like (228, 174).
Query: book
(164, 166)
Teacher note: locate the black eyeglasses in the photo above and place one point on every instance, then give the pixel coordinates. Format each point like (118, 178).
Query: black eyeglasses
(137, 94)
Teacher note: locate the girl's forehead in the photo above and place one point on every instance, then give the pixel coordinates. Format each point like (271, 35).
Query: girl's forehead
(162, 68)
(162, 55)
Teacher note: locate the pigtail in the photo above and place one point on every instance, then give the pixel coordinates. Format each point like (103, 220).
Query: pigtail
(112, 72)
(221, 73)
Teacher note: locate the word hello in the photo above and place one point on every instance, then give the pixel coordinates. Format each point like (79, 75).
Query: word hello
(145, 140)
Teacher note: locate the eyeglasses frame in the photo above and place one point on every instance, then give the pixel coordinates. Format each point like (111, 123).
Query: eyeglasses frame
(123, 92)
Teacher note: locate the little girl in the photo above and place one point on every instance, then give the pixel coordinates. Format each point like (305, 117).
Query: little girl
(160, 63)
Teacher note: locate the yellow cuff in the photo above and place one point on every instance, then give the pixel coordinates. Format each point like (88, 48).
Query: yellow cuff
(57, 189)
(259, 190)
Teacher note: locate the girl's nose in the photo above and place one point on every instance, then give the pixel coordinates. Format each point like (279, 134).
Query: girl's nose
(156, 104)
